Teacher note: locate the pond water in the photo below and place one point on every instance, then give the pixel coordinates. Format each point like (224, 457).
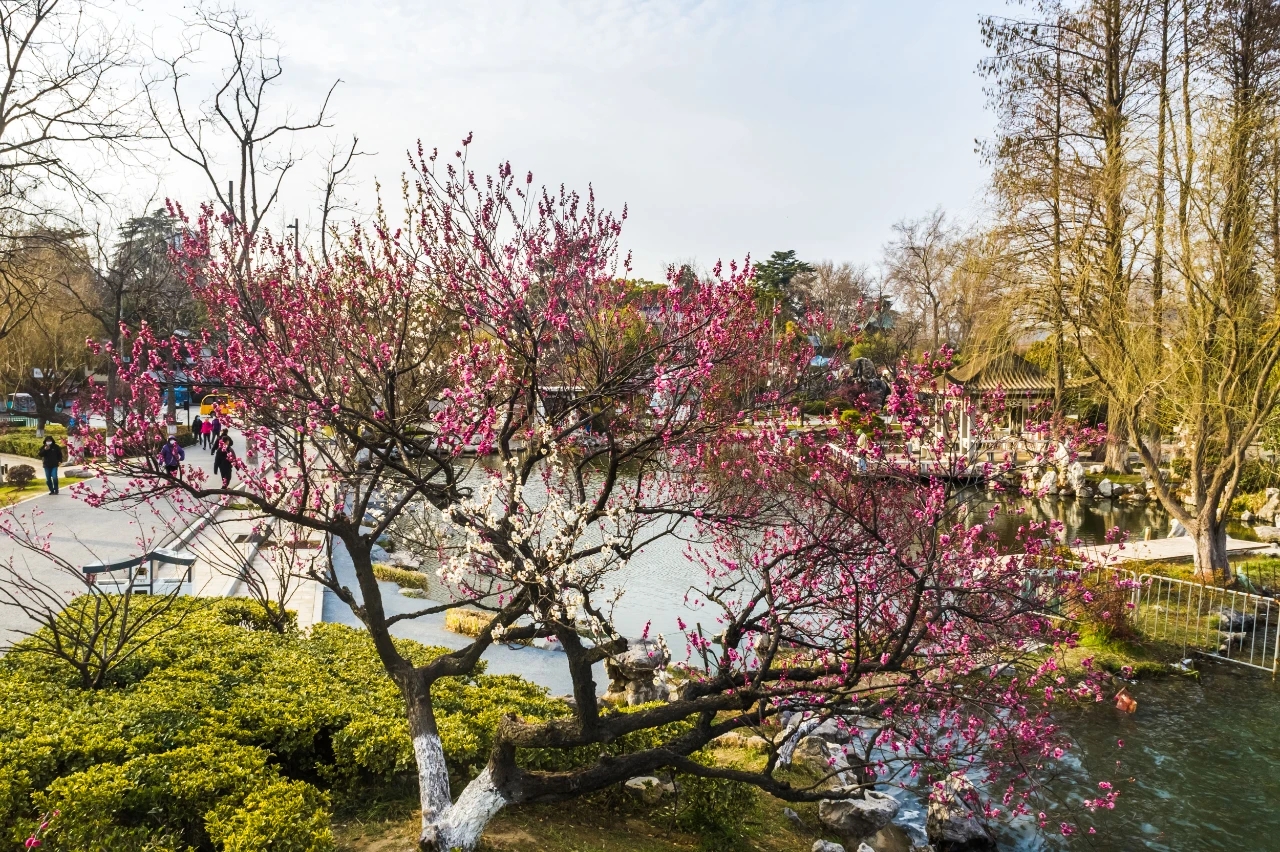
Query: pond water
(1086, 520)
(1199, 769)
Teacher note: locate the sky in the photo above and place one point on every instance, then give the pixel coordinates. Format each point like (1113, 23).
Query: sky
(726, 127)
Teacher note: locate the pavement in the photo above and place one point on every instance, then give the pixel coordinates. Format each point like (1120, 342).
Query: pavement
(80, 534)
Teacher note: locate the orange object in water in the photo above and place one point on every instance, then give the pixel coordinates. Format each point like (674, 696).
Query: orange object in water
(1125, 702)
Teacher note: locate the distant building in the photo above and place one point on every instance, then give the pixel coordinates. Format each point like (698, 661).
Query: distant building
(1024, 385)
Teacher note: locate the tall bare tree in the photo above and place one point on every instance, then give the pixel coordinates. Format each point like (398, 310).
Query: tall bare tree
(237, 137)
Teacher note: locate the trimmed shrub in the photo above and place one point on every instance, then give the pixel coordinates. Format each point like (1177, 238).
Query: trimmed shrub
(468, 622)
(402, 577)
(20, 476)
(217, 736)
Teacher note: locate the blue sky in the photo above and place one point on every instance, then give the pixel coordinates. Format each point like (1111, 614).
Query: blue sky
(727, 126)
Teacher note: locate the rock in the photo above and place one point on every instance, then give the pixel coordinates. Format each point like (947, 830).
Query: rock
(1106, 488)
(854, 819)
(1271, 534)
(833, 731)
(1234, 621)
(826, 846)
(1048, 483)
(891, 838)
(1176, 529)
(952, 826)
(813, 755)
(1271, 508)
(1246, 516)
(646, 788)
(794, 819)
(410, 592)
(1075, 477)
(634, 674)
(1096, 469)
(862, 847)
(757, 743)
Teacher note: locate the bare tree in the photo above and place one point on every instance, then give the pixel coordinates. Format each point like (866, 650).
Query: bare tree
(94, 629)
(240, 142)
(64, 109)
(919, 263)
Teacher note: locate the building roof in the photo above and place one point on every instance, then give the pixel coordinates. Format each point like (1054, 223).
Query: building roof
(1007, 371)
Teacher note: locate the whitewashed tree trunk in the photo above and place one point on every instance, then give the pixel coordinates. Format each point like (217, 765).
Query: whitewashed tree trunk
(460, 825)
(447, 824)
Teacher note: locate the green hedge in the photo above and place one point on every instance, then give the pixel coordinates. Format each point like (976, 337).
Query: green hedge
(23, 441)
(220, 737)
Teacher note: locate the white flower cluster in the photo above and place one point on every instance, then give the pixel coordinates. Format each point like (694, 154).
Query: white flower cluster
(534, 534)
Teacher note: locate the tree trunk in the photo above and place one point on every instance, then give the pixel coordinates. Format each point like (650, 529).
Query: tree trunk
(446, 824)
(1117, 459)
(1211, 552)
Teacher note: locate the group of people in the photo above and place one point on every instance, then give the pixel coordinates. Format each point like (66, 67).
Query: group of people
(211, 435)
(172, 455)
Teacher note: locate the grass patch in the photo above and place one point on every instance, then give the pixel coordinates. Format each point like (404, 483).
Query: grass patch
(9, 494)
(403, 577)
(592, 825)
(1142, 659)
(1116, 478)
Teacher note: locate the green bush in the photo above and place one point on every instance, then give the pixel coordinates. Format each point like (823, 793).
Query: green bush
(20, 476)
(402, 576)
(218, 736)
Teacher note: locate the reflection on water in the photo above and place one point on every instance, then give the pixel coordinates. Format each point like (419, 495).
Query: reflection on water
(1088, 521)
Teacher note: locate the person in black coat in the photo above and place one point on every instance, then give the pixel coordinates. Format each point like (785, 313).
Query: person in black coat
(224, 459)
(51, 456)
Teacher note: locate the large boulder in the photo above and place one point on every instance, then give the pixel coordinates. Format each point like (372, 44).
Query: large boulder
(951, 824)
(1271, 534)
(1270, 510)
(1075, 477)
(854, 819)
(1106, 488)
(1048, 483)
(814, 755)
(635, 675)
(826, 846)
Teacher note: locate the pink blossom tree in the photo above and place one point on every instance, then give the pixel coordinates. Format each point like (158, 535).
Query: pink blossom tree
(486, 371)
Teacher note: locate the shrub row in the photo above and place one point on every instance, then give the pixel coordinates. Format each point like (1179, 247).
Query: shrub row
(220, 737)
(23, 441)
(401, 576)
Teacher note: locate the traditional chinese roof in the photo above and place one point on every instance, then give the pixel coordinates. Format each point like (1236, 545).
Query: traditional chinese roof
(1007, 371)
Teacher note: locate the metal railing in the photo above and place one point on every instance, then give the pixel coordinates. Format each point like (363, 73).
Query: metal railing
(1231, 625)
(1225, 624)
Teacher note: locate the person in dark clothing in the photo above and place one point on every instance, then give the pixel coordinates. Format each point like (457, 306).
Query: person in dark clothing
(215, 429)
(195, 430)
(51, 456)
(224, 458)
(172, 456)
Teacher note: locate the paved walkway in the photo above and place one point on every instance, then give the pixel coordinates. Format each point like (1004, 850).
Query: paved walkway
(1179, 549)
(80, 534)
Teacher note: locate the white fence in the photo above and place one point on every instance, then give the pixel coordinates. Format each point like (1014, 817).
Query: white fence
(1225, 624)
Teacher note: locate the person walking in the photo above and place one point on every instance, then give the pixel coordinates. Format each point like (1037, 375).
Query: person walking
(196, 426)
(215, 430)
(224, 459)
(206, 434)
(51, 456)
(172, 456)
